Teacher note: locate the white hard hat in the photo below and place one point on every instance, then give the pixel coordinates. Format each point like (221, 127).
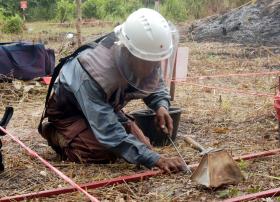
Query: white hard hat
(146, 34)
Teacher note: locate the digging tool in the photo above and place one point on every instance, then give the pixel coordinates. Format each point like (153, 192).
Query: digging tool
(176, 148)
(216, 168)
(4, 122)
(164, 130)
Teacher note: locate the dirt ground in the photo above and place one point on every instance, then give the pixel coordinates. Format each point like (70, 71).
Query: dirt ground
(241, 124)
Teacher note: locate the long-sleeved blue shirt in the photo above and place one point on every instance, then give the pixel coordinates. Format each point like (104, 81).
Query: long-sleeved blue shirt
(102, 118)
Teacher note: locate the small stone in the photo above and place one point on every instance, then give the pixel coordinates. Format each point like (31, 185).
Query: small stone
(268, 200)
(43, 173)
(272, 184)
(42, 145)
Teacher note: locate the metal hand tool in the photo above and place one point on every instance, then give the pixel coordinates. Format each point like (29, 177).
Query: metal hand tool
(187, 168)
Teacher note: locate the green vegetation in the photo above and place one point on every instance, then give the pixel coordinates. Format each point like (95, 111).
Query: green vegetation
(243, 165)
(228, 193)
(254, 189)
(175, 10)
(64, 10)
(13, 25)
(91, 9)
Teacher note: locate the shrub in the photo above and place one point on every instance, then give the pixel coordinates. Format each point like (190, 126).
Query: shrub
(132, 5)
(92, 9)
(65, 10)
(175, 10)
(114, 8)
(13, 25)
(109, 9)
(2, 17)
(195, 8)
(41, 13)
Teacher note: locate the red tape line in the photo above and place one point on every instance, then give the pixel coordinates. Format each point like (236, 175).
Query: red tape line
(46, 163)
(120, 180)
(230, 75)
(185, 80)
(262, 194)
(230, 90)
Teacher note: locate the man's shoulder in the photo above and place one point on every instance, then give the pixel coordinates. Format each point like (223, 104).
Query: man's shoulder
(108, 40)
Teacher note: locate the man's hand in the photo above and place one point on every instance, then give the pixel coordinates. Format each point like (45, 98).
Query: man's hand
(171, 165)
(164, 120)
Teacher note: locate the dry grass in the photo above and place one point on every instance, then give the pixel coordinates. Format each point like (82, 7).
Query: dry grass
(240, 123)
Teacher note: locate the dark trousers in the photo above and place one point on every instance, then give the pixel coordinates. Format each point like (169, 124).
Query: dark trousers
(73, 139)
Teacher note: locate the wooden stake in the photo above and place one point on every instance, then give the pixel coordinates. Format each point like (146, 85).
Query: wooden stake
(78, 22)
(172, 84)
(157, 5)
(180, 68)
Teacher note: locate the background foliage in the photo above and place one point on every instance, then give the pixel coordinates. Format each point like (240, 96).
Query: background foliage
(64, 10)
(13, 24)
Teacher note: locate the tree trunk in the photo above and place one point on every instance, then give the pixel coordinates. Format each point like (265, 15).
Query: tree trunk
(78, 22)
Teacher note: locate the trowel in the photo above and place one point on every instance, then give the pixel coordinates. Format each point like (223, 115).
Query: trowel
(216, 168)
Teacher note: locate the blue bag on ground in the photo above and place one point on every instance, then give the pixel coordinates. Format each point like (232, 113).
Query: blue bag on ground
(25, 61)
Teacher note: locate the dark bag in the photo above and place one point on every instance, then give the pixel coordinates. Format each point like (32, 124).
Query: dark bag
(25, 61)
(57, 69)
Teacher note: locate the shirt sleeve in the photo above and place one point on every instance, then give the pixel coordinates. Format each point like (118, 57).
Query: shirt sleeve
(106, 127)
(160, 98)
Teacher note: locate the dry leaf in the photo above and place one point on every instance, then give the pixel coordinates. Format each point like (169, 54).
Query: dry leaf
(43, 173)
(207, 90)
(215, 143)
(17, 85)
(26, 89)
(220, 130)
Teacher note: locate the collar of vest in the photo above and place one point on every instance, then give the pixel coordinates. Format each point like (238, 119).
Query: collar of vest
(99, 63)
